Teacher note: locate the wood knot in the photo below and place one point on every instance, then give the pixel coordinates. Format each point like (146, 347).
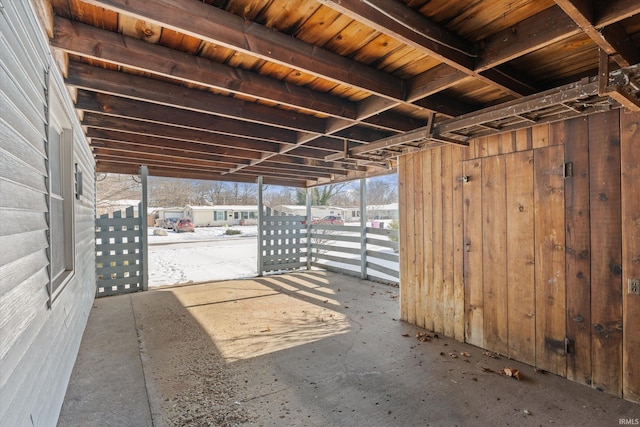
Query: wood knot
(616, 269)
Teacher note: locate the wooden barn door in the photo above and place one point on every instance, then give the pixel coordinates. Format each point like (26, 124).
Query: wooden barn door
(514, 266)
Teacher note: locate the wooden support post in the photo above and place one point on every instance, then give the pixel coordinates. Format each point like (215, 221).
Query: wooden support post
(603, 73)
(308, 201)
(363, 228)
(144, 172)
(260, 227)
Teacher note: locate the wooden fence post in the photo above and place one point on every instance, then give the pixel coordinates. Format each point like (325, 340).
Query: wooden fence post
(260, 226)
(142, 212)
(363, 228)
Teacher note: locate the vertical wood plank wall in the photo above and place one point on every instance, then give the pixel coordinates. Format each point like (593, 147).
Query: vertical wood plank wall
(499, 249)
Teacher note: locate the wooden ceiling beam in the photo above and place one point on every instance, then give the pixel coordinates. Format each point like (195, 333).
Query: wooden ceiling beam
(219, 27)
(235, 155)
(137, 87)
(612, 39)
(299, 171)
(402, 23)
(329, 144)
(152, 159)
(102, 45)
(392, 18)
(151, 155)
(253, 39)
(122, 107)
(361, 134)
(106, 166)
(299, 165)
(94, 120)
(137, 139)
(538, 31)
(97, 79)
(97, 145)
(392, 121)
(441, 102)
(612, 11)
(194, 167)
(435, 80)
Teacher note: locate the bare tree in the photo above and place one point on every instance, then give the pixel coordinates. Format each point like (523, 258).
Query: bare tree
(170, 192)
(322, 196)
(244, 193)
(381, 192)
(111, 189)
(274, 196)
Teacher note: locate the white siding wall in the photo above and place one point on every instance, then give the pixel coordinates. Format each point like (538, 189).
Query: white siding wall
(38, 344)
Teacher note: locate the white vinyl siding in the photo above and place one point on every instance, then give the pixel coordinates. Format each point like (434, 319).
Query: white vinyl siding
(38, 341)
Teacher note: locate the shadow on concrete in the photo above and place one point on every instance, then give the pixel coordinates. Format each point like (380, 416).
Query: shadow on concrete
(317, 349)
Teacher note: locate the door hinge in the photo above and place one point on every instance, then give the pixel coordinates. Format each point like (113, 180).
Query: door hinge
(569, 346)
(567, 171)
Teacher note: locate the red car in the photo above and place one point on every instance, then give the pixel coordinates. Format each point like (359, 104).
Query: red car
(332, 219)
(183, 225)
(329, 219)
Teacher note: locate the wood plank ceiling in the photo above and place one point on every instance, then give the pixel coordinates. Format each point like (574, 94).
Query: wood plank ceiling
(306, 92)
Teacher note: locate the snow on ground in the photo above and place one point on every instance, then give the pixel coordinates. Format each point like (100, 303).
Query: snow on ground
(209, 254)
(206, 254)
(202, 233)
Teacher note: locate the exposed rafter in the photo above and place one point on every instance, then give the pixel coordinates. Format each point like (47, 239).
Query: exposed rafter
(611, 39)
(410, 27)
(330, 90)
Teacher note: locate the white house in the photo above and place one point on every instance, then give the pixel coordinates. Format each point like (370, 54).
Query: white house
(208, 216)
(110, 206)
(316, 211)
(350, 214)
(163, 214)
(389, 211)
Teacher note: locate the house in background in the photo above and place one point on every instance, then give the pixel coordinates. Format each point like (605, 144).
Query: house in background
(110, 206)
(348, 214)
(243, 215)
(163, 214)
(215, 216)
(388, 211)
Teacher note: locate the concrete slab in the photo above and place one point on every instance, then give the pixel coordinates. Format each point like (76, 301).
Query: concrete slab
(322, 349)
(107, 386)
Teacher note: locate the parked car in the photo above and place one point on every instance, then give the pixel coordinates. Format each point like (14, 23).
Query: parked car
(314, 220)
(183, 225)
(169, 223)
(332, 219)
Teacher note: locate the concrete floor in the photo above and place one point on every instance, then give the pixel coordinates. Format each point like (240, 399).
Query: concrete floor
(304, 349)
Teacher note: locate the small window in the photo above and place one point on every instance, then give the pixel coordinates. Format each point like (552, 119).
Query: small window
(62, 194)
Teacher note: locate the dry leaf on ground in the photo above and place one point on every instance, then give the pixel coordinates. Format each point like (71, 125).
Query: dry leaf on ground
(423, 336)
(510, 372)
